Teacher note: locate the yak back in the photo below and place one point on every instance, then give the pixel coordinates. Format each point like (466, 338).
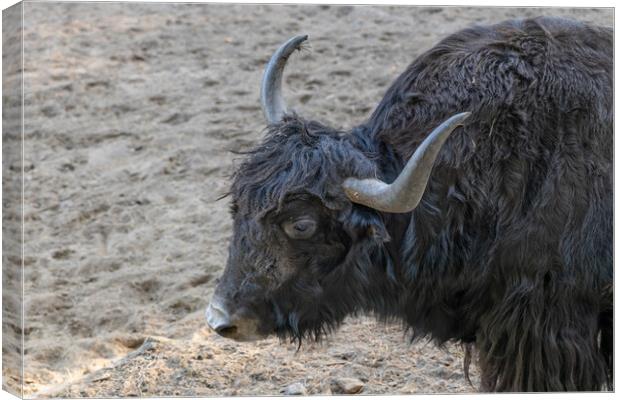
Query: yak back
(518, 211)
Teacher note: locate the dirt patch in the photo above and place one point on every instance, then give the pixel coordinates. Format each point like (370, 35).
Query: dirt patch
(362, 358)
(131, 113)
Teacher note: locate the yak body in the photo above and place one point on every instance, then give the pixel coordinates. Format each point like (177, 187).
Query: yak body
(511, 246)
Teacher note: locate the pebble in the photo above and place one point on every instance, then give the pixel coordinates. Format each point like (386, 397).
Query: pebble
(295, 389)
(347, 386)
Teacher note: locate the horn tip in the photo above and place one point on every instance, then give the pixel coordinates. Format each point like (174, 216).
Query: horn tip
(299, 39)
(464, 115)
(459, 118)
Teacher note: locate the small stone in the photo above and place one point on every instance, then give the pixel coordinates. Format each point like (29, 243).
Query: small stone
(347, 386)
(50, 111)
(295, 389)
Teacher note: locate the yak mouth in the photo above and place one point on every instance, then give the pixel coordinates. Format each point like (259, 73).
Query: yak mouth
(237, 326)
(244, 326)
(240, 335)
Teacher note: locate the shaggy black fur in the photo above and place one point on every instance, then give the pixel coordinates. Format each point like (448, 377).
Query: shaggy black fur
(511, 246)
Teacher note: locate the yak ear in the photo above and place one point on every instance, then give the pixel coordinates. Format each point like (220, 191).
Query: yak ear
(366, 223)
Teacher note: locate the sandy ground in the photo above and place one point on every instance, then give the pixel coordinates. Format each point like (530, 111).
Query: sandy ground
(131, 113)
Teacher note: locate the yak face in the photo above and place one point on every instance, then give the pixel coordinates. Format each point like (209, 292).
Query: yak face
(308, 204)
(289, 269)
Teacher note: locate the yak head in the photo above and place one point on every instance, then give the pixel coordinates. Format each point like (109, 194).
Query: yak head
(308, 206)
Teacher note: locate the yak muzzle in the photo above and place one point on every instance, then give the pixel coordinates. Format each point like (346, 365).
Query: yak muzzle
(219, 320)
(233, 326)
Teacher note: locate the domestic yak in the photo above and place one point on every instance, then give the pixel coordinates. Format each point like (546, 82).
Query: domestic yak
(474, 205)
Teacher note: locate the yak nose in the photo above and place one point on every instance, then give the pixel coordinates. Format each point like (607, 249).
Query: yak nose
(219, 319)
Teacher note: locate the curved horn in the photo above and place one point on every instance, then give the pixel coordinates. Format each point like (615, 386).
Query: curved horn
(404, 194)
(271, 87)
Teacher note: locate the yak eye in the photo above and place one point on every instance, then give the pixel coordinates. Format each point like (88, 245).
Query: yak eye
(300, 229)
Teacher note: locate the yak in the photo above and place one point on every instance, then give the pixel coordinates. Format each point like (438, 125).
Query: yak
(474, 205)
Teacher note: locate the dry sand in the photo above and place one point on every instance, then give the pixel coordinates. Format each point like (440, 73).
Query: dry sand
(131, 113)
